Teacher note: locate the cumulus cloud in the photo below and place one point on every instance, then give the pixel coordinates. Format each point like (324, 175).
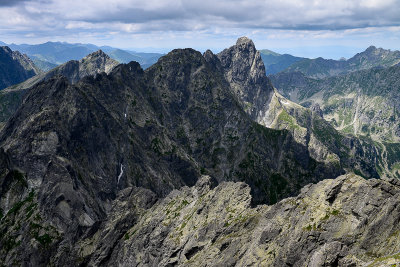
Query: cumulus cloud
(105, 19)
(189, 14)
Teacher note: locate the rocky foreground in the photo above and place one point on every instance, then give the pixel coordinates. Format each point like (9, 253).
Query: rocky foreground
(348, 221)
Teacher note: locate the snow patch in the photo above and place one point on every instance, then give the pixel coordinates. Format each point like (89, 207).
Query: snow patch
(120, 174)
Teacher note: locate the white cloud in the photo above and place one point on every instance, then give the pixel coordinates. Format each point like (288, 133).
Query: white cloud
(192, 15)
(162, 22)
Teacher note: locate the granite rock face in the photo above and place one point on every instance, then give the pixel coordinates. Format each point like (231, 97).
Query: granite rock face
(244, 70)
(15, 67)
(348, 221)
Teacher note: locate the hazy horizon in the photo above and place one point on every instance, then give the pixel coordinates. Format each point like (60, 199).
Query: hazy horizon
(335, 52)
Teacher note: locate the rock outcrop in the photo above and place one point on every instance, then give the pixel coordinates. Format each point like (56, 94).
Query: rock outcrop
(245, 72)
(348, 221)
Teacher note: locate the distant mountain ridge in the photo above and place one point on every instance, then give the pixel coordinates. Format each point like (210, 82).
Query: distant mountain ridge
(123, 56)
(54, 52)
(50, 53)
(15, 67)
(43, 65)
(321, 68)
(275, 62)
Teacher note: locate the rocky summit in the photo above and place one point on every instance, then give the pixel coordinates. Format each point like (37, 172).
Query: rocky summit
(171, 167)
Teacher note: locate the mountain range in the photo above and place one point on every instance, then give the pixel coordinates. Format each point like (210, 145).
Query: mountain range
(322, 68)
(362, 103)
(196, 161)
(50, 54)
(275, 62)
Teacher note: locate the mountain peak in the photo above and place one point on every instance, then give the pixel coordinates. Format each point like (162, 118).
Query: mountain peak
(95, 63)
(183, 56)
(244, 40)
(97, 54)
(245, 71)
(6, 49)
(371, 48)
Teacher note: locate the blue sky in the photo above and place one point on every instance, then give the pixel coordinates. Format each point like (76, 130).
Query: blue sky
(310, 28)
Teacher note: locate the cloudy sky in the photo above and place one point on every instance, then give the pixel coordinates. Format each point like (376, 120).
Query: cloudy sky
(329, 28)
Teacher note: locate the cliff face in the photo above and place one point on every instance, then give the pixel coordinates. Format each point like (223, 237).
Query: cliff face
(244, 70)
(15, 67)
